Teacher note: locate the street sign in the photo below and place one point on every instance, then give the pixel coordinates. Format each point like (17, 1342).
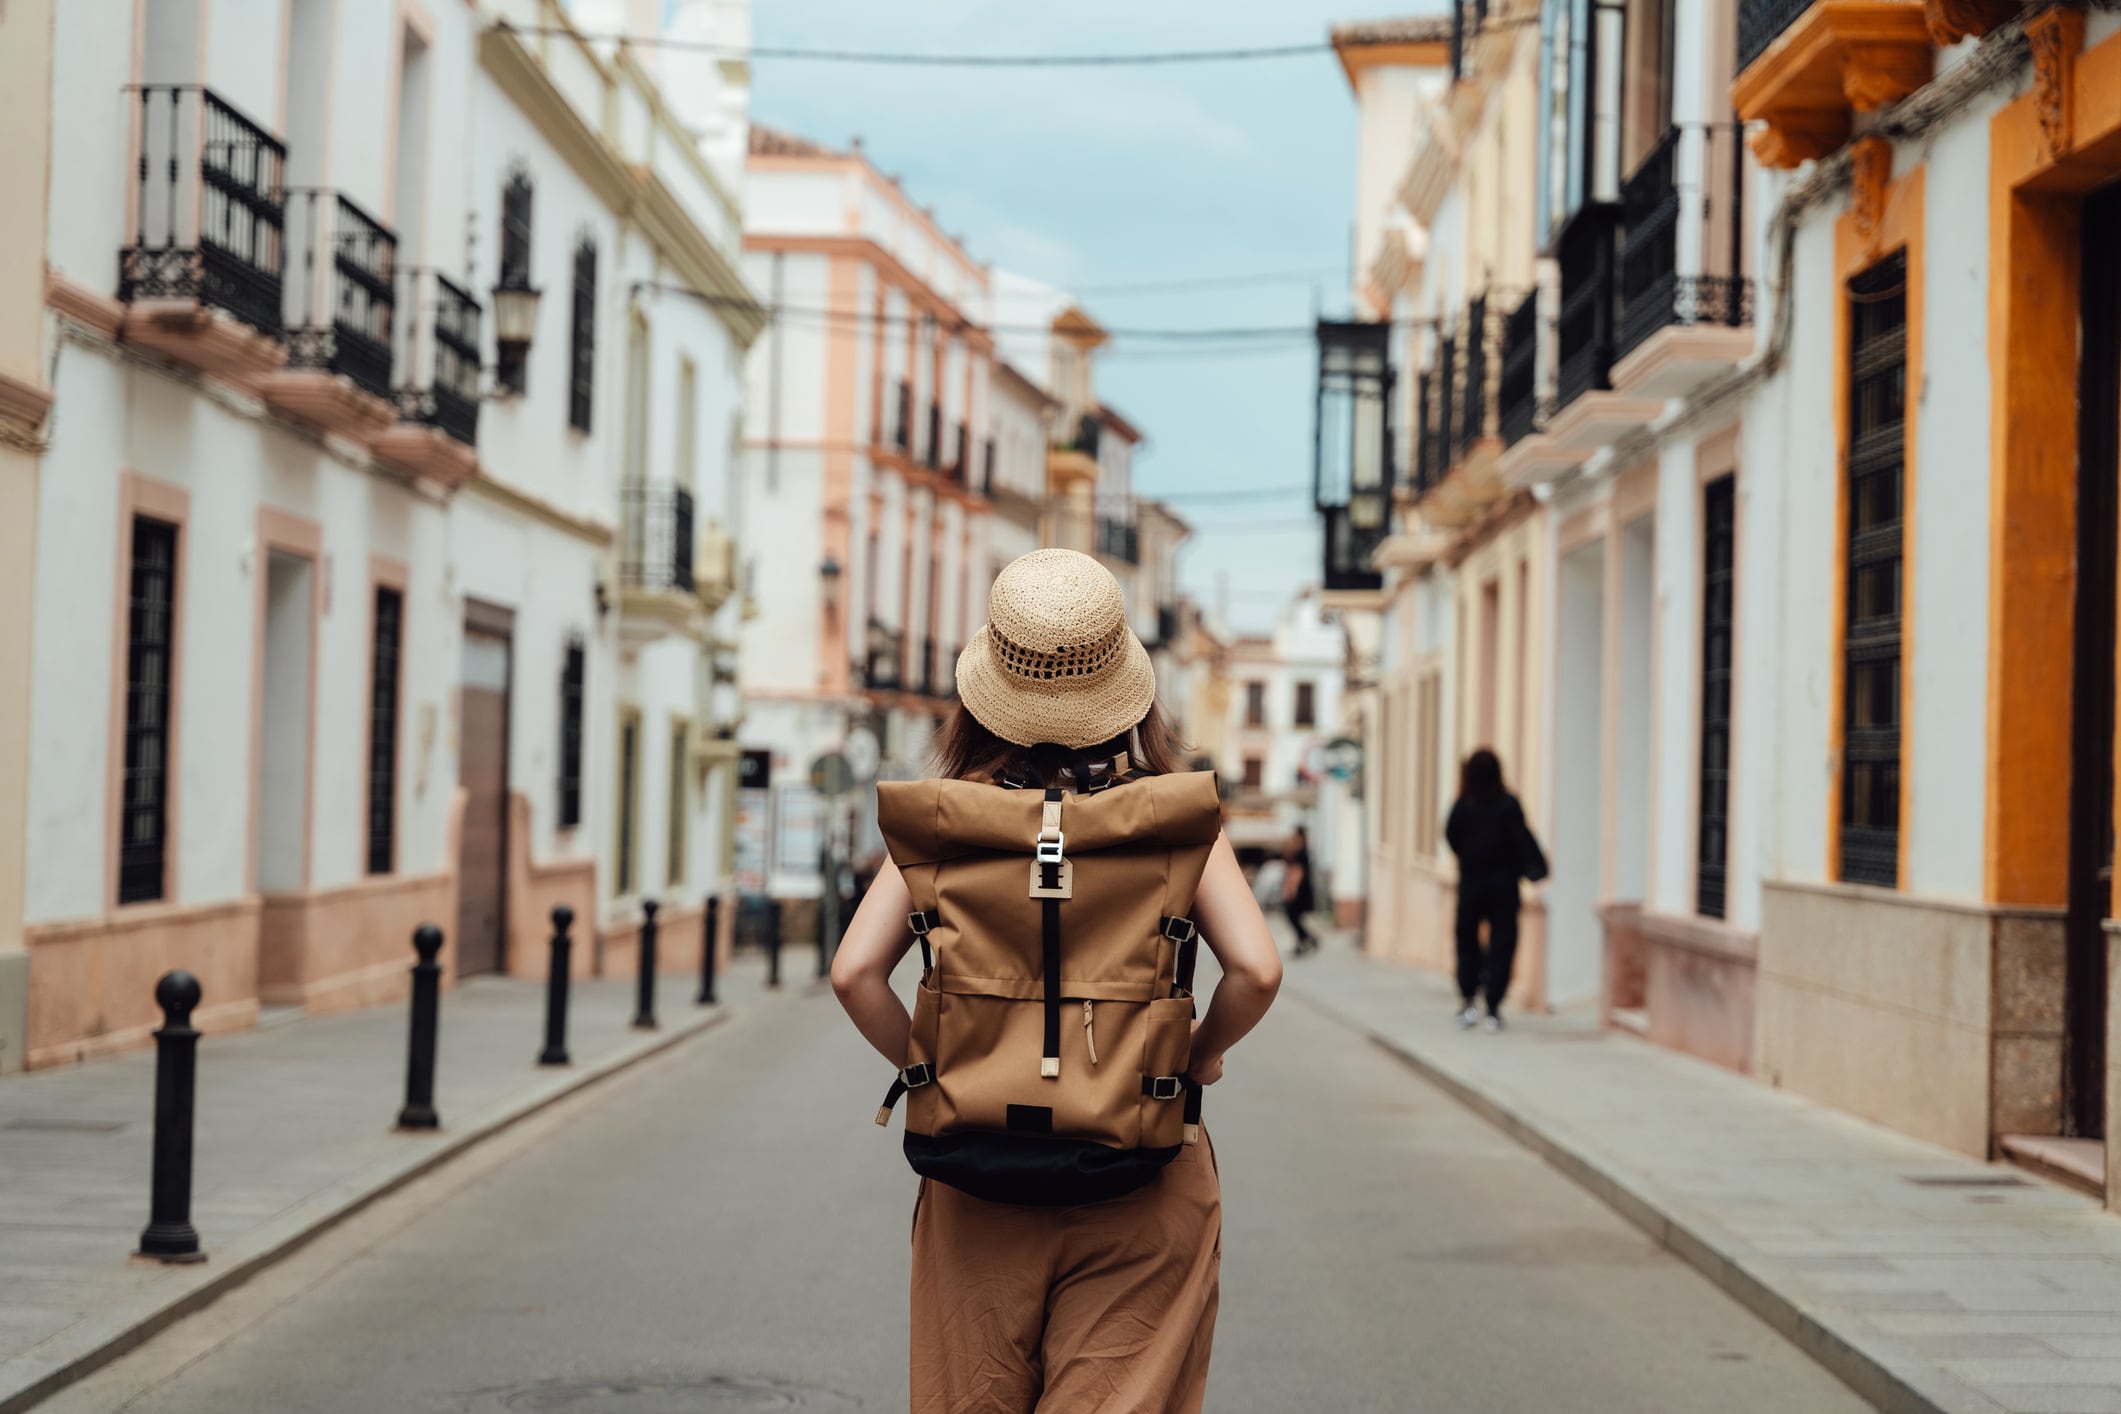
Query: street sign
(830, 775)
(863, 754)
(1343, 758)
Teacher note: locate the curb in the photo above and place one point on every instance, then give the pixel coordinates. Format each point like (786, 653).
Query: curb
(1893, 1381)
(33, 1377)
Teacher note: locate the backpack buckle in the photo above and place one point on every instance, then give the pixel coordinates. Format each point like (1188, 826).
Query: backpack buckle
(1164, 1087)
(1049, 851)
(918, 1074)
(1180, 930)
(918, 922)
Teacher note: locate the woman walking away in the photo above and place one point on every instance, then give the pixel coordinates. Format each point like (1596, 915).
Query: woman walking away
(1495, 848)
(1058, 877)
(1297, 897)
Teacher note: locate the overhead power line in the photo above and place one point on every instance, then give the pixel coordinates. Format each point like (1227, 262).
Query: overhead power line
(1293, 335)
(937, 59)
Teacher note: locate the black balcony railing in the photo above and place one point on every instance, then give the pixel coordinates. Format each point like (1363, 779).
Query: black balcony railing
(932, 449)
(1353, 533)
(1517, 391)
(441, 321)
(1585, 332)
(961, 454)
(1088, 429)
(1426, 472)
(1473, 402)
(1119, 539)
(986, 470)
(210, 208)
(1654, 294)
(902, 428)
(1353, 465)
(341, 301)
(1444, 425)
(659, 538)
(885, 649)
(1760, 22)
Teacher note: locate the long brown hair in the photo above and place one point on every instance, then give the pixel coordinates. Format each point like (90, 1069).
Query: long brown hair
(966, 750)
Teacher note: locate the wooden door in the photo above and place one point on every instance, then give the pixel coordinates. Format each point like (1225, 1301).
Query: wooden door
(482, 770)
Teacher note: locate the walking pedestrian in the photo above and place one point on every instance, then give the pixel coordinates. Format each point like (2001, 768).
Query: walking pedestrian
(1297, 896)
(1067, 1232)
(1495, 849)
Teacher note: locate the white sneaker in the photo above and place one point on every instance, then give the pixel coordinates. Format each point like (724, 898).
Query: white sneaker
(1492, 1024)
(1469, 1018)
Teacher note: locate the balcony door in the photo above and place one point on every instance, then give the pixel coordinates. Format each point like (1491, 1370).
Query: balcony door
(2091, 835)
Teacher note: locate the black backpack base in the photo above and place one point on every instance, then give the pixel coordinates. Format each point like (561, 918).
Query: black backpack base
(1040, 1173)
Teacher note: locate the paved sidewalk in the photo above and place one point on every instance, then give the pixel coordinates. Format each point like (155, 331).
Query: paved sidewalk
(1926, 1280)
(295, 1129)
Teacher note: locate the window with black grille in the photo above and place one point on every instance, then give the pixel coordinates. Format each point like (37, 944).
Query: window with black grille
(573, 669)
(629, 766)
(582, 358)
(383, 730)
(1713, 807)
(1876, 488)
(150, 644)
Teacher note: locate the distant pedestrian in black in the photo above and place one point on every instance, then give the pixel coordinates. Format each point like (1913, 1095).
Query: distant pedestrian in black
(1495, 848)
(1297, 896)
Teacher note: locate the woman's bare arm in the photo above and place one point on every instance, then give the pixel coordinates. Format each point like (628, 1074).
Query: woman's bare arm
(875, 940)
(1231, 924)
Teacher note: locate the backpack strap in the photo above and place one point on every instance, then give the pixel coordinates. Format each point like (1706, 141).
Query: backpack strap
(1185, 936)
(1051, 882)
(913, 1077)
(919, 922)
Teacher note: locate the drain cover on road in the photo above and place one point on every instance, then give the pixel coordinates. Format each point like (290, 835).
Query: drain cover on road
(673, 1394)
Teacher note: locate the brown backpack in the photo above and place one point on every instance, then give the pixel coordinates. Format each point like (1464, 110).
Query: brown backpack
(1054, 1018)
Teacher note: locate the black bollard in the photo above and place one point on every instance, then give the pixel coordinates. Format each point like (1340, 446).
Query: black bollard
(555, 1052)
(773, 942)
(169, 1235)
(710, 932)
(419, 1111)
(644, 993)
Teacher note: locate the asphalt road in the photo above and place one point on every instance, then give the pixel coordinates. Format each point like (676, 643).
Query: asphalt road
(724, 1230)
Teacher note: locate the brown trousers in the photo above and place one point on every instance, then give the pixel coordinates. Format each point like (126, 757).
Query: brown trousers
(1107, 1307)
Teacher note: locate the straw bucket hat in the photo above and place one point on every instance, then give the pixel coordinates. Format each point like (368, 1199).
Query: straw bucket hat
(1056, 662)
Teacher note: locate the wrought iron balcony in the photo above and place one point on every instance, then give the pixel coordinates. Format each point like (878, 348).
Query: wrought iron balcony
(441, 342)
(1656, 292)
(1353, 533)
(1119, 539)
(961, 454)
(1517, 391)
(1761, 22)
(883, 654)
(932, 452)
(209, 210)
(1473, 403)
(902, 429)
(1426, 472)
(1589, 302)
(341, 302)
(986, 472)
(658, 546)
(1088, 429)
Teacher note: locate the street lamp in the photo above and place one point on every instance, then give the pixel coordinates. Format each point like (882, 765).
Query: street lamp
(515, 322)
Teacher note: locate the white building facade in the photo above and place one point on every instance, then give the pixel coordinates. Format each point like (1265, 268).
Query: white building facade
(339, 555)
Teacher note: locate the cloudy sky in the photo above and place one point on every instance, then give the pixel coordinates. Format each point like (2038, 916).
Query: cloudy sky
(1091, 179)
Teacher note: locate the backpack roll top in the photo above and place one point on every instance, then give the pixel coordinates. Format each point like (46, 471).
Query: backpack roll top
(1021, 1092)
